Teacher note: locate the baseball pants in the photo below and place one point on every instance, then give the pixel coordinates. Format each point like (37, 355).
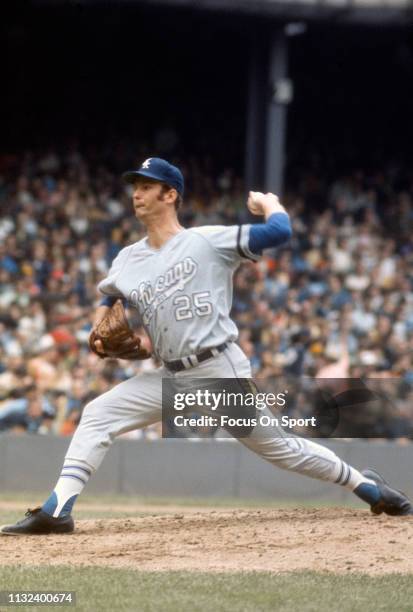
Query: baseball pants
(137, 402)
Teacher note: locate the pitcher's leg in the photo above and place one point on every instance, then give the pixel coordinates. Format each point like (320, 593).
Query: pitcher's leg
(130, 405)
(311, 459)
(302, 456)
(133, 404)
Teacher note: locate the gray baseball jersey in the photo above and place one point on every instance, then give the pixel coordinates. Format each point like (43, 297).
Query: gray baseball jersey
(183, 291)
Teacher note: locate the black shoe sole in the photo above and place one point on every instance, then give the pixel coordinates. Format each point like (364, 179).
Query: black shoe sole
(19, 534)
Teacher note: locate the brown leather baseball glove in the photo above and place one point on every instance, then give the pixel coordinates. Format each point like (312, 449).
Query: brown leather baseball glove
(117, 339)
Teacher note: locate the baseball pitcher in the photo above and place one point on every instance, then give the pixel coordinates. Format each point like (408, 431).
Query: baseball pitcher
(180, 280)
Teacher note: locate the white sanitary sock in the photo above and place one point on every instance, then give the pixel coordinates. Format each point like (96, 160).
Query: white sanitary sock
(73, 478)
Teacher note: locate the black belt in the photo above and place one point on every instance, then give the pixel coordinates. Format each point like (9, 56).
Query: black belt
(190, 362)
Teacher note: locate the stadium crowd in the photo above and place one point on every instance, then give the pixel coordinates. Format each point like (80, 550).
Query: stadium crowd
(337, 302)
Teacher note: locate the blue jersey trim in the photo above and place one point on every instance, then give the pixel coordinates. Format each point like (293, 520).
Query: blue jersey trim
(275, 232)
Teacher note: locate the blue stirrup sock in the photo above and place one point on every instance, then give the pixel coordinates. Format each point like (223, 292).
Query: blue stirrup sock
(368, 492)
(352, 479)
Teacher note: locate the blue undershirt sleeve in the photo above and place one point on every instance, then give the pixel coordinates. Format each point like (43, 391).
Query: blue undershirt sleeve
(109, 300)
(275, 232)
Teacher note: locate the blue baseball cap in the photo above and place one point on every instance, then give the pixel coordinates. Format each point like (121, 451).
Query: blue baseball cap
(159, 170)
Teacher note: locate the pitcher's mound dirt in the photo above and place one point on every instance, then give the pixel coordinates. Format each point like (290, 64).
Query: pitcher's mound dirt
(333, 539)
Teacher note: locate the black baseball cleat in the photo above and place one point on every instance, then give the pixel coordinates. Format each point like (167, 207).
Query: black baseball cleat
(392, 502)
(38, 522)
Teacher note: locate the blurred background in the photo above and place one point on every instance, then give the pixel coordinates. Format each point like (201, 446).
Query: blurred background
(312, 100)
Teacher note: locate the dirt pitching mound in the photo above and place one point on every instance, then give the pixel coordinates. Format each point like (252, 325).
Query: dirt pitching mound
(334, 539)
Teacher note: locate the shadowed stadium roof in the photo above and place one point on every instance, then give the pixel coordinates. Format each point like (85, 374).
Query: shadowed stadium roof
(344, 11)
(362, 11)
